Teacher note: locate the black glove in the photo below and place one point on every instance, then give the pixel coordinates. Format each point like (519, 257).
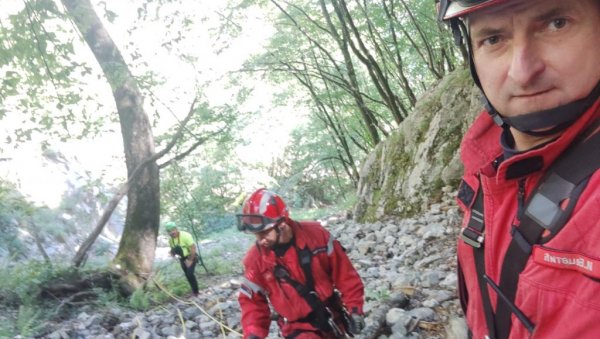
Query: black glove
(177, 250)
(252, 336)
(357, 323)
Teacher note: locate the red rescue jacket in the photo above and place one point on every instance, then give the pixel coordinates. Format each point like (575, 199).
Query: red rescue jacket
(559, 289)
(331, 269)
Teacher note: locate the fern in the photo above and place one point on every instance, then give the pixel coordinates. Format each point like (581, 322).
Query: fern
(139, 300)
(29, 321)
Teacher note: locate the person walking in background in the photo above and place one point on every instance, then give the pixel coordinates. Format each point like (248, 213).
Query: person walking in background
(183, 247)
(300, 270)
(528, 254)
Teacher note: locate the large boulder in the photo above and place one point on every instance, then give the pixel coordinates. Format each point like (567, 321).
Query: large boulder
(408, 170)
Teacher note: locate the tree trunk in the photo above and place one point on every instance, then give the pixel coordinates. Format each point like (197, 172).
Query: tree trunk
(378, 77)
(138, 242)
(342, 41)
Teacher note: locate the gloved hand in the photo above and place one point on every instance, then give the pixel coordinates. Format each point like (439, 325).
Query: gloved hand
(357, 323)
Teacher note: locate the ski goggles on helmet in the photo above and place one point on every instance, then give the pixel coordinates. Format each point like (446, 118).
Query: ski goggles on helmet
(255, 223)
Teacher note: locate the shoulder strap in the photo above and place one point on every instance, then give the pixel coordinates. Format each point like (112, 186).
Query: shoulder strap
(564, 182)
(545, 210)
(305, 259)
(473, 234)
(320, 316)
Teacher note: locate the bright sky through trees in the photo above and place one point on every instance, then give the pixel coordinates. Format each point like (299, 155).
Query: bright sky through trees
(146, 43)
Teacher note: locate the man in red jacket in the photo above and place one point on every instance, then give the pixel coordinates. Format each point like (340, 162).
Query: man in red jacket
(529, 256)
(301, 271)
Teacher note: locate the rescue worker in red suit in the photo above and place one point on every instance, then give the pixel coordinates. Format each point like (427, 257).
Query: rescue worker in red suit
(537, 63)
(303, 295)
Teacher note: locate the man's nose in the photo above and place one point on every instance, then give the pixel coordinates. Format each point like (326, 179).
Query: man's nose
(262, 241)
(526, 64)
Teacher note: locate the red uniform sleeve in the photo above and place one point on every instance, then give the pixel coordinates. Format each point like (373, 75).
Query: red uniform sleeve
(256, 314)
(346, 279)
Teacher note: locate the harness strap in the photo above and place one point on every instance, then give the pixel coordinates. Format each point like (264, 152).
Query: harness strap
(320, 317)
(305, 259)
(564, 182)
(476, 226)
(549, 208)
(473, 233)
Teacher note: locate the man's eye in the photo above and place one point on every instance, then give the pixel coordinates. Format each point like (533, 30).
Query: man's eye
(492, 40)
(558, 23)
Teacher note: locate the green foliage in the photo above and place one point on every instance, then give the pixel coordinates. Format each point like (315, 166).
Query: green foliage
(168, 276)
(20, 218)
(6, 330)
(310, 175)
(398, 51)
(44, 80)
(199, 198)
(326, 211)
(108, 298)
(21, 283)
(139, 300)
(13, 207)
(380, 294)
(223, 255)
(29, 320)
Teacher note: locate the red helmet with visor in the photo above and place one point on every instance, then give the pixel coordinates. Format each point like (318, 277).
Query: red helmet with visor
(261, 211)
(450, 9)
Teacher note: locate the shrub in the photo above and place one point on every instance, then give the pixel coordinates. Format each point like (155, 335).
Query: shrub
(139, 300)
(29, 321)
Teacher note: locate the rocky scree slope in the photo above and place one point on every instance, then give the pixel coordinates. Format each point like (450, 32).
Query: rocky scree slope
(407, 265)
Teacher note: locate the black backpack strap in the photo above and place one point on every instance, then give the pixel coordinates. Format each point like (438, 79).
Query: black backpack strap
(473, 234)
(320, 317)
(305, 259)
(565, 181)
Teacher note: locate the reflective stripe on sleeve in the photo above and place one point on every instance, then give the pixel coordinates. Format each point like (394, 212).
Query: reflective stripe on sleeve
(255, 288)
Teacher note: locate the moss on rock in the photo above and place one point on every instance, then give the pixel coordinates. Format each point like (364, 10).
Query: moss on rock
(412, 166)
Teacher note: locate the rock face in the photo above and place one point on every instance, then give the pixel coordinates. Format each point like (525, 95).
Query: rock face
(407, 266)
(408, 169)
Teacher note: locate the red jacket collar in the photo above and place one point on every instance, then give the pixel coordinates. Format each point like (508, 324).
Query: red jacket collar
(481, 145)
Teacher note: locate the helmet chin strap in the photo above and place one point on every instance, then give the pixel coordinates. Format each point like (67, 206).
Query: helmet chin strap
(550, 121)
(541, 123)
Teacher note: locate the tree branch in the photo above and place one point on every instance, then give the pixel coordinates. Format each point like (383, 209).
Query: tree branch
(114, 202)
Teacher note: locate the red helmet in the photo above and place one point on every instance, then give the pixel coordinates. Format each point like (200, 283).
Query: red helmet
(262, 210)
(450, 9)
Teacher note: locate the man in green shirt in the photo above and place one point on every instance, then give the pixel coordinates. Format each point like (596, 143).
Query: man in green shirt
(183, 247)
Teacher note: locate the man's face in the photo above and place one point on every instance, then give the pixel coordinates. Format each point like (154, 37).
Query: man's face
(532, 55)
(266, 238)
(173, 233)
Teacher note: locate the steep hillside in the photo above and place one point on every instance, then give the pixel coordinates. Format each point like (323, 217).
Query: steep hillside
(409, 169)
